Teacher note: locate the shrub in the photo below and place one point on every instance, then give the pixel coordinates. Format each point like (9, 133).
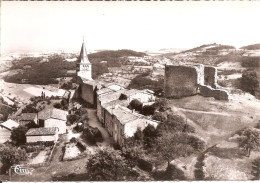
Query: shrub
(249, 82)
(250, 62)
(92, 135)
(161, 104)
(18, 135)
(148, 110)
(159, 116)
(136, 104)
(80, 146)
(199, 174)
(73, 140)
(145, 164)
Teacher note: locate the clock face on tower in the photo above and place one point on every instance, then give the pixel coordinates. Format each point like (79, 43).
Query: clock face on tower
(85, 67)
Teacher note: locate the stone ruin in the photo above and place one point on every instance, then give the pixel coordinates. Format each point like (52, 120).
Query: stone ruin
(182, 80)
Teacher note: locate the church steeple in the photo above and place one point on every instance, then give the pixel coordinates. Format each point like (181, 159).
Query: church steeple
(83, 54)
(84, 68)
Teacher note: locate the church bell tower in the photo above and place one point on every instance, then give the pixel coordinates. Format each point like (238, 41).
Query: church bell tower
(84, 69)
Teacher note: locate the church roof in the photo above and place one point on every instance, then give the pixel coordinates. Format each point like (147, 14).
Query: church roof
(83, 54)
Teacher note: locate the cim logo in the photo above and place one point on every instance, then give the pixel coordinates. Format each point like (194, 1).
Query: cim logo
(21, 170)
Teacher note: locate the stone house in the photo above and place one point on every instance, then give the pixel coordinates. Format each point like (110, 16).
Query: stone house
(122, 122)
(6, 129)
(52, 117)
(103, 99)
(42, 134)
(26, 118)
(141, 95)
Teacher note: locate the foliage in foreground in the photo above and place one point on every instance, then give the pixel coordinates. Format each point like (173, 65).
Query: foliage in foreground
(249, 139)
(10, 156)
(109, 165)
(18, 135)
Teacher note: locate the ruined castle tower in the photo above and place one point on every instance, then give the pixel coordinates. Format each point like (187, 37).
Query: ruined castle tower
(84, 69)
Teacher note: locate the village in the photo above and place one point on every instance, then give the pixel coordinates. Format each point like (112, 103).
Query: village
(59, 127)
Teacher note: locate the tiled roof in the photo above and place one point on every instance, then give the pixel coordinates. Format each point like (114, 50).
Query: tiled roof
(89, 82)
(115, 102)
(104, 90)
(28, 116)
(52, 113)
(9, 124)
(125, 115)
(41, 131)
(110, 96)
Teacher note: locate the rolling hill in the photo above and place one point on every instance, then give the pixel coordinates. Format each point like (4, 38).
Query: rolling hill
(251, 47)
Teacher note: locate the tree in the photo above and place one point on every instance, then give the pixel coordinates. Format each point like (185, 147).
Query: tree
(148, 110)
(10, 156)
(161, 104)
(150, 134)
(249, 82)
(136, 104)
(30, 109)
(108, 165)
(18, 135)
(249, 139)
(159, 116)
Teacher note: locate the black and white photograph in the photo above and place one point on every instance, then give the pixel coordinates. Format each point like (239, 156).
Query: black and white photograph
(129, 91)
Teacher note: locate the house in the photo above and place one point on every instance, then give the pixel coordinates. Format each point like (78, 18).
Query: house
(52, 117)
(26, 118)
(42, 134)
(141, 95)
(105, 98)
(6, 129)
(122, 122)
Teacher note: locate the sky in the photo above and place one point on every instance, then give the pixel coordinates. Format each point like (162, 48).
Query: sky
(51, 26)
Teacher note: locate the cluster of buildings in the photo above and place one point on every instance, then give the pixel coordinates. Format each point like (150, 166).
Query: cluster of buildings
(46, 125)
(111, 101)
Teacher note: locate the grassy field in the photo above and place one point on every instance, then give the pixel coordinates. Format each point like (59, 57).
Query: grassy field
(214, 119)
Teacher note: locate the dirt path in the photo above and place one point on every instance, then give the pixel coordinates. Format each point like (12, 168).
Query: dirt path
(93, 121)
(57, 154)
(205, 112)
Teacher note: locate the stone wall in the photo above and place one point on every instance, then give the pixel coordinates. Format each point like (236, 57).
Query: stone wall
(87, 93)
(219, 94)
(180, 81)
(210, 76)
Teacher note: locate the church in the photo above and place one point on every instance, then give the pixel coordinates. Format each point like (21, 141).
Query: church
(84, 69)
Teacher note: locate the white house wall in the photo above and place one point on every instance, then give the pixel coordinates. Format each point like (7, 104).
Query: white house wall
(60, 124)
(131, 127)
(142, 97)
(4, 134)
(42, 138)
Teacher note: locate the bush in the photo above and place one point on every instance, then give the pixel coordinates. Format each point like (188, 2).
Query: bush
(159, 116)
(18, 135)
(249, 82)
(81, 146)
(136, 105)
(92, 135)
(73, 140)
(148, 110)
(199, 174)
(161, 104)
(175, 123)
(250, 62)
(145, 164)
(72, 118)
